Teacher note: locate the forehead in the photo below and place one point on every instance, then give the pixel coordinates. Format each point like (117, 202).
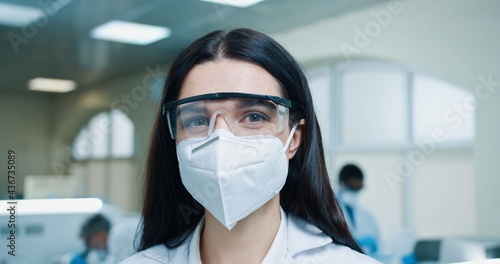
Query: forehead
(228, 104)
(229, 76)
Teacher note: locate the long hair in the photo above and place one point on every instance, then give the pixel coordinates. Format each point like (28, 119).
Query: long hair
(170, 213)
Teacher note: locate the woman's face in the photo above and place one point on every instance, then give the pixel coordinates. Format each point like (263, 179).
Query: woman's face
(231, 76)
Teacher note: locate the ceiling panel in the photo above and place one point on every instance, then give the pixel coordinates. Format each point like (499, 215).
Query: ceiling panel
(60, 47)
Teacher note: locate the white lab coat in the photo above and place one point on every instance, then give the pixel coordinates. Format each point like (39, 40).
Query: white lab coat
(296, 242)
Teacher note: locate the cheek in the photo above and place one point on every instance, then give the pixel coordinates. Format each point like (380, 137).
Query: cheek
(290, 149)
(283, 136)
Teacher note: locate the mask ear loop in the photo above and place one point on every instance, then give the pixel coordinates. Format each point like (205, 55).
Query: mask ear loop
(292, 132)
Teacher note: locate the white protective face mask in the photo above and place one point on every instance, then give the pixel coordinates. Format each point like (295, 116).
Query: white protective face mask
(349, 197)
(233, 176)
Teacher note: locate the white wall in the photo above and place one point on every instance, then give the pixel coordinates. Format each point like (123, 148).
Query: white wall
(444, 195)
(26, 127)
(487, 162)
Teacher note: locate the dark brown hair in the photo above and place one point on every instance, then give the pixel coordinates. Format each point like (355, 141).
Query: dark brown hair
(170, 213)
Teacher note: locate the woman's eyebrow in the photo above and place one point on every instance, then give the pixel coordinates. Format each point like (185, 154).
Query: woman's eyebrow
(253, 102)
(191, 108)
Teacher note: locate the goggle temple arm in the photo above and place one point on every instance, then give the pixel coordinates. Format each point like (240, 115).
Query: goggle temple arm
(170, 127)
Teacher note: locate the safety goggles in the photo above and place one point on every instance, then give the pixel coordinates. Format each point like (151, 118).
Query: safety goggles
(244, 114)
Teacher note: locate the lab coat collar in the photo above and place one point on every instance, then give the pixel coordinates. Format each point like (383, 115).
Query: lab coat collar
(194, 244)
(278, 251)
(303, 236)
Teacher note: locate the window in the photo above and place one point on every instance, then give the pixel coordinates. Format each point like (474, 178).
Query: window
(373, 106)
(412, 135)
(380, 105)
(104, 167)
(439, 105)
(106, 135)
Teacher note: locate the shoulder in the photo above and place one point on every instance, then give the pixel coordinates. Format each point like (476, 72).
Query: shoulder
(308, 244)
(332, 253)
(163, 254)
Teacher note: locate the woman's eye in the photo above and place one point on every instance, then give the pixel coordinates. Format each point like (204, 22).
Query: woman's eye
(196, 122)
(254, 118)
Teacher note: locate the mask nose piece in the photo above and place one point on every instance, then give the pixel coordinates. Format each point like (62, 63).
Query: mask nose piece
(219, 119)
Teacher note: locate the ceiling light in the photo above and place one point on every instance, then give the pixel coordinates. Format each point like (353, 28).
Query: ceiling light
(237, 3)
(51, 85)
(17, 15)
(128, 32)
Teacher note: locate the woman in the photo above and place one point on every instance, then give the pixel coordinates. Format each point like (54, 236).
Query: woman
(236, 171)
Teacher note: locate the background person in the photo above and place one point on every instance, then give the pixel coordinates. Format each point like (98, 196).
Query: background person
(94, 234)
(361, 222)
